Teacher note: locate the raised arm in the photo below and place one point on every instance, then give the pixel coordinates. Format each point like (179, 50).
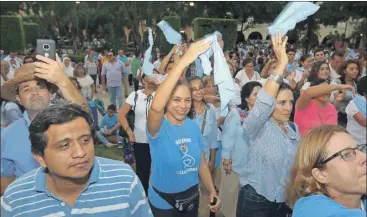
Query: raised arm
(315, 91)
(265, 103)
(166, 60)
(164, 91)
(53, 72)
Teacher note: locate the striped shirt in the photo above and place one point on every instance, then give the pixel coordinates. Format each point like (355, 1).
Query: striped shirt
(113, 190)
(91, 67)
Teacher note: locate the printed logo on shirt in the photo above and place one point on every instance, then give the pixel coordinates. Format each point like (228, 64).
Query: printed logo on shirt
(187, 160)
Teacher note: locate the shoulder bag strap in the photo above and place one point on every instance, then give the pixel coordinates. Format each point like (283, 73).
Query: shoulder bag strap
(204, 121)
(135, 99)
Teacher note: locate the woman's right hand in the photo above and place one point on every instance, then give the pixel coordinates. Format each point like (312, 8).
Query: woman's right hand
(280, 52)
(194, 51)
(131, 137)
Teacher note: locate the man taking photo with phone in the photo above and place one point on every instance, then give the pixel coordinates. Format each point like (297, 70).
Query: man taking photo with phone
(32, 86)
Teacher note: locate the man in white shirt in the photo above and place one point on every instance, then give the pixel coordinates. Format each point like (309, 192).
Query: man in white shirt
(336, 60)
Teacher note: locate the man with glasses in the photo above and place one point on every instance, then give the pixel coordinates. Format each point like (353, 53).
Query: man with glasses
(114, 70)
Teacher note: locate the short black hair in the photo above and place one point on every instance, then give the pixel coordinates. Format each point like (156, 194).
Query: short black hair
(112, 51)
(56, 114)
(137, 53)
(319, 50)
(337, 53)
(362, 86)
(290, 50)
(112, 107)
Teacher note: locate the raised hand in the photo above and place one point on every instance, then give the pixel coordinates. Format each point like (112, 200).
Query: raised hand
(280, 52)
(50, 70)
(194, 51)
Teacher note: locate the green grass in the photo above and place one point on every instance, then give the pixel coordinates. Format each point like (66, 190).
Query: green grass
(112, 153)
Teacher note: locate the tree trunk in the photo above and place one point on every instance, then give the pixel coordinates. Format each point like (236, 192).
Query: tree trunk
(134, 28)
(310, 28)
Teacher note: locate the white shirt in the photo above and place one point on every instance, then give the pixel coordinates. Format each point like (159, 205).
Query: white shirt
(333, 74)
(242, 76)
(141, 111)
(357, 131)
(69, 71)
(306, 85)
(86, 83)
(236, 99)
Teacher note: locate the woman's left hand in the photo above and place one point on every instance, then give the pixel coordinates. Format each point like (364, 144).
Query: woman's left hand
(218, 205)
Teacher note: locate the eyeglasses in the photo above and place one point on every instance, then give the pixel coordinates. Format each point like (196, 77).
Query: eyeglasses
(110, 55)
(196, 89)
(348, 154)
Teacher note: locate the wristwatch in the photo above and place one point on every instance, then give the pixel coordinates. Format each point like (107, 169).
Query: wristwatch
(277, 78)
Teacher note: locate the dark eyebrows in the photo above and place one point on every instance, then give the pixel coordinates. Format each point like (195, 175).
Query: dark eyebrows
(67, 139)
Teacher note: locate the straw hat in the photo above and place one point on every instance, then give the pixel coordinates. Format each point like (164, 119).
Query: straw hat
(22, 74)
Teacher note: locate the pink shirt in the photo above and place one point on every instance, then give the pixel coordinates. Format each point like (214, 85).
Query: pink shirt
(313, 116)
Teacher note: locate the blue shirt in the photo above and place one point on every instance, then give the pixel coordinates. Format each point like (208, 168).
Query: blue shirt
(123, 59)
(113, 190)
(176, 157)
(210, 129)
(235, 143)
(271, 152)
(110, 122)
(323, 206)
(16, 155)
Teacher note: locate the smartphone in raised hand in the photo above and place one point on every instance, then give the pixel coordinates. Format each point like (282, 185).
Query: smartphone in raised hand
(47, 48)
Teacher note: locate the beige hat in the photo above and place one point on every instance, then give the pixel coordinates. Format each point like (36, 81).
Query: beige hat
(22, 74)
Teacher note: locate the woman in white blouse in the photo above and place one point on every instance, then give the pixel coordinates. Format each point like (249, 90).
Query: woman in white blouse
(68, 68)
(88, 88)
(91, 66)
(140, 102)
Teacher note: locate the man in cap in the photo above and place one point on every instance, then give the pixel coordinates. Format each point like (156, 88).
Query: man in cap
(32, 87)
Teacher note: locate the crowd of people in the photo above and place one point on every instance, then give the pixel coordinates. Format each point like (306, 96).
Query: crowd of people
(293, 141)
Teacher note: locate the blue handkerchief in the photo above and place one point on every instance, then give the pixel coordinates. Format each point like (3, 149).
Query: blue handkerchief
(351, 54)
(293, 13)
(171, 35)
(298, 54)
(199, 68)
(222, 75)
(147, 65)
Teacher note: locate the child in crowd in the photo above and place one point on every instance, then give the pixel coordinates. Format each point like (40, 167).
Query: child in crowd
(109, 127)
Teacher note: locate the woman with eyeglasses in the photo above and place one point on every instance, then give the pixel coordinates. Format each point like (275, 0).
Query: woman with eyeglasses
(205, 117)
(273, 141)
(328, 177)
(313, 107)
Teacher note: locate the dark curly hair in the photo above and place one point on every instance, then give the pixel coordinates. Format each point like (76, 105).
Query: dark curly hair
(246, 92)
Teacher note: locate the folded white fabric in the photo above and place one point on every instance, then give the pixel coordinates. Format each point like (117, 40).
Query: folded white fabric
(292, 14)
(222, 75)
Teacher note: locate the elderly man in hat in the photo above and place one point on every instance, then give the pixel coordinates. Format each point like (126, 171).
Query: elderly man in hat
(32, 87)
